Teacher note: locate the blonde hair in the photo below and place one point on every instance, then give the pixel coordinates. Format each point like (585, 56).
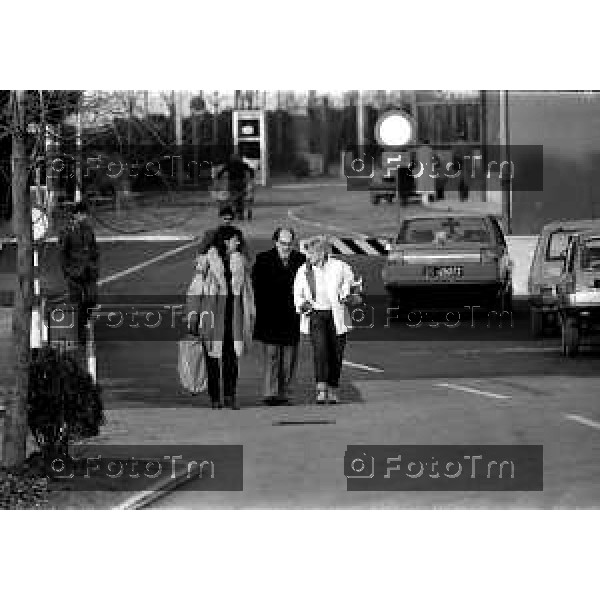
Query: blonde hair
(318, 243)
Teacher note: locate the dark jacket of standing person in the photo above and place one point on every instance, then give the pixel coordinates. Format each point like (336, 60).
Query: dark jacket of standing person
(277, 321)
(237, 170)
(79, 262)
(79, 252)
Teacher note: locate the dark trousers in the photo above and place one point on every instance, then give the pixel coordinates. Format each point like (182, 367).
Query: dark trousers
(280, 369)
(228, 366)
(82, 298)
(229, 371)
(328, 347)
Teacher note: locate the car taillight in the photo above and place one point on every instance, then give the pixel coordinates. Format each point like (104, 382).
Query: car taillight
(396, 257)
(489, 256)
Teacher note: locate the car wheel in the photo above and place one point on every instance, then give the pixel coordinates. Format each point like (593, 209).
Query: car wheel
(570, 337)
(507, 300)
(537, 322)
(375, 199)
(393, 302)
(390, 198)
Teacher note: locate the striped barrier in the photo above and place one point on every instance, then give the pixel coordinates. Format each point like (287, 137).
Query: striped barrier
(364, 246)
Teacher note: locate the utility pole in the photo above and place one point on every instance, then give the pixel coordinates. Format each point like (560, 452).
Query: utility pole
(15, 423)
(505, 154)
(360, 122)
(215, 129)
(78, 169)
(179, 135)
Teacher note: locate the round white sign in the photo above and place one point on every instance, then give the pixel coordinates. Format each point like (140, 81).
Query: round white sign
(394, 129)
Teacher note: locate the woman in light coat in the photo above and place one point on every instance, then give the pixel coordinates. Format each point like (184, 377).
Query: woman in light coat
(221, 312)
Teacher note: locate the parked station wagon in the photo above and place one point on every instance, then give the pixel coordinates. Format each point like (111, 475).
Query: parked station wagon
(578, 291)
(449, 260)
(546, 268)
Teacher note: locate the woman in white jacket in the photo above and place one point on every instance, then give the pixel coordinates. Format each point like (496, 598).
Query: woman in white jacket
(321, 290)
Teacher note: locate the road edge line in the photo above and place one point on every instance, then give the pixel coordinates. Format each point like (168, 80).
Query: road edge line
(148, 262)
(310, 223)
(470, 390)
(362, 367)
(582, 420)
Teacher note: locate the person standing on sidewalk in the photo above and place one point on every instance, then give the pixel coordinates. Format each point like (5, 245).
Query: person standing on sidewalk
(79, 262)
(239, 174)
(277, 322)
(222, 315)
(322, 287)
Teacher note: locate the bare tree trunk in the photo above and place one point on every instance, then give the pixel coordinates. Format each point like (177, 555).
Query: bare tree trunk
(15, 425)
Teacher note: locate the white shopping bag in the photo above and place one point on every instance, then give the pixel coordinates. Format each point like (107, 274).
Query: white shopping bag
(192, 365)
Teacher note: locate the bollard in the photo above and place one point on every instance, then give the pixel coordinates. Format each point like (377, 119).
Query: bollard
(36, 308)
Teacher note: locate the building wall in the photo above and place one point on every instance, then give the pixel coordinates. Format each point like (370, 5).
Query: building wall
(568, 127)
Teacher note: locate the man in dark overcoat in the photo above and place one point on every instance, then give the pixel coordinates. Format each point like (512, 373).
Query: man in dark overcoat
(277, 322)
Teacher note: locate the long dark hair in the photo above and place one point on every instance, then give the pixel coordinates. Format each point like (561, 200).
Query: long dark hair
(225, 233)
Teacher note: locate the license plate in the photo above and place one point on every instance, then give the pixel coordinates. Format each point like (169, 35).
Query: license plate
(453, 272)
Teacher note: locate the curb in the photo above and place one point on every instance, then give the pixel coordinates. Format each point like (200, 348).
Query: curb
(143, 499)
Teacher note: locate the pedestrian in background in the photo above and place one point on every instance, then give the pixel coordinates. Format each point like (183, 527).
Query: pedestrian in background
(239, 174)
(226, 216)
(277, 322)
(79, 262)
(322, 288)
(222, 312)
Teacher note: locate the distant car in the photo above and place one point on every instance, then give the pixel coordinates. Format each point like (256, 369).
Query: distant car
(578, 291)
(443, 260)
(546, 268)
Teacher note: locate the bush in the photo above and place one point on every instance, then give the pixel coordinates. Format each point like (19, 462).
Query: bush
(64, 403)
(23, 488)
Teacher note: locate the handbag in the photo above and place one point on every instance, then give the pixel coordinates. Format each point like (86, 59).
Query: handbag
(192, 365)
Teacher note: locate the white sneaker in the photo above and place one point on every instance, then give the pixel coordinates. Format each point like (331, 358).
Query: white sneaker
(333, 397)
(321, 397)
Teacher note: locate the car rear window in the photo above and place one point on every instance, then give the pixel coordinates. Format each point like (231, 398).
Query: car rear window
(590, 255)
(452, 229)
(557, 243)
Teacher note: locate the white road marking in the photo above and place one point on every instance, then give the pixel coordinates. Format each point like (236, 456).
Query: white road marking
(462, 388)
(146, 238)
(304, 186)
(337, 243)
(127, 237)
(367, 247)
(133, 390)
(583, 421)
(523, 349)
(115, 381)
(147, 263)
(292, 216)
(362, 367)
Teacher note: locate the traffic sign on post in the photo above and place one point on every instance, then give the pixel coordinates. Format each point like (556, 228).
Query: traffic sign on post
(250, 141)
(395, 129)
(39, 223)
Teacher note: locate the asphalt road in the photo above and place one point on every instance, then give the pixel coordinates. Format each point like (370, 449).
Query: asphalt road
(425, 385)
(470, 384)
